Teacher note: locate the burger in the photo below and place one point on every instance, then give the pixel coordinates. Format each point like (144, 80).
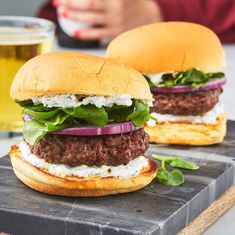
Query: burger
(182, 63)
(82, 116)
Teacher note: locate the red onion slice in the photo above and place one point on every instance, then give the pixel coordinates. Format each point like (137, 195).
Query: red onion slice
(111, 129)
(212, 84)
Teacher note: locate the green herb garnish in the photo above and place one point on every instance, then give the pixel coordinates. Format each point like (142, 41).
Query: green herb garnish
(192, 77)
(45, 120)
(174, 177)
(170, 178)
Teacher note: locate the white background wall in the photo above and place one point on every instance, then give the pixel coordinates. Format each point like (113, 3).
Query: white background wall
(20, 7)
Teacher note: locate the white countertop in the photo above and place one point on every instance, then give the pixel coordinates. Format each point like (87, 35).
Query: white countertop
(225, 225)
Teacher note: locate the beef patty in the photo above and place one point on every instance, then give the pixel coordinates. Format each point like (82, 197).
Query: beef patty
(112, 150)
(187, 103)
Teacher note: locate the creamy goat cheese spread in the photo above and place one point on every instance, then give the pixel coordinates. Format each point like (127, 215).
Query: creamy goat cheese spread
(69, 101)
(207, 118)
(157, 77)
(132, 169)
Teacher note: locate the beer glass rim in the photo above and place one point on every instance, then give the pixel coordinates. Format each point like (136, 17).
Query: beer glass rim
(29, 27)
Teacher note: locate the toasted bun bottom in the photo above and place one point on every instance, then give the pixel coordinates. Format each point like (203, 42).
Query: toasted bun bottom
(40, 180)
(188, 133)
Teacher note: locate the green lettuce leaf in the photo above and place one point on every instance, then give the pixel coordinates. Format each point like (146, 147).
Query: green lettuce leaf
(45, 120)
(90, 114)
(40, 114)
(59, 119)
(34, 130)
(140, 113)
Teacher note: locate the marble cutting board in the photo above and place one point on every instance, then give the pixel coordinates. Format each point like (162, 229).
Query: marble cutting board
(155, 209)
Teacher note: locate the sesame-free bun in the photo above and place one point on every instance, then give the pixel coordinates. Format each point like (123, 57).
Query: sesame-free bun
(188, 133)
(76, 73)
(40, 180)
(168, 46)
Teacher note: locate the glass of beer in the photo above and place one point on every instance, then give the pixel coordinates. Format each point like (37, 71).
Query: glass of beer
(21, 38)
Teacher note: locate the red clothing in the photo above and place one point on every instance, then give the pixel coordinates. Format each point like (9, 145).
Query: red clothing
(47, 11)
(219, 15)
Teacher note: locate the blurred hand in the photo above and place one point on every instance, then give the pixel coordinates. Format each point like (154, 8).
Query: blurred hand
(112, 16)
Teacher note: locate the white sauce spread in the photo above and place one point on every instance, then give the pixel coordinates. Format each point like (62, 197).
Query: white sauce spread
(157, 77)
(208, 118)
(132, 169)
(68, 101)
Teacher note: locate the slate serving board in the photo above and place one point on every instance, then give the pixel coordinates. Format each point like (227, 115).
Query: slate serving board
(155, 209)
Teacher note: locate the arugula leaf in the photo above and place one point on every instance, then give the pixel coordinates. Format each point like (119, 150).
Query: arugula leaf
(192, 77)
(163, 157)
(169, 178)
(24, 103)
(151, 84)
(180, 163)
(118, 112)
(216, 75)
(90, 114)
(169, 79)
(140, 113)
(177, 162)
(174, 177)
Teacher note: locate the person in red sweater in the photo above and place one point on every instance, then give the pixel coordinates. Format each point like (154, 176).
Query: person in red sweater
(117, 16)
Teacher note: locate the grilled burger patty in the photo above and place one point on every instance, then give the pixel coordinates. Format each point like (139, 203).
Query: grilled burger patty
(111, 150)
(187, 103)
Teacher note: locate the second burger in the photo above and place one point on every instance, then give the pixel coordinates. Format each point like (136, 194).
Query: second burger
(182, 63)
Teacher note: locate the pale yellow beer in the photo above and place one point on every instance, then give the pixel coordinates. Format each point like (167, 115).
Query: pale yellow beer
(21, 38)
